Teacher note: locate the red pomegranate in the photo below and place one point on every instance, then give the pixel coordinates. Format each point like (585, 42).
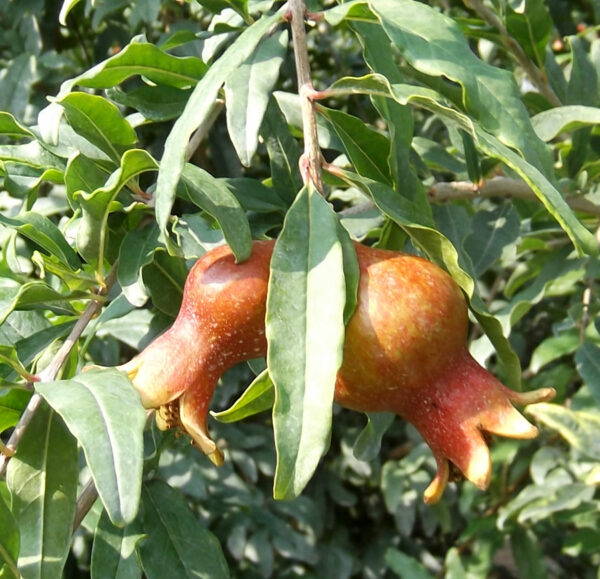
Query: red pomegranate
(404, 352)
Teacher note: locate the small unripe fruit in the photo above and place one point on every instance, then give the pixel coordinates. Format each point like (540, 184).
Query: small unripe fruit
(404, 352)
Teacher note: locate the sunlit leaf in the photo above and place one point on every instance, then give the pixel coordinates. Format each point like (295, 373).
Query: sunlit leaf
(247, 93)
(42, 478)
(113, 552)
(104, 412)
(198, 108)
(258, 397)
(305, 307)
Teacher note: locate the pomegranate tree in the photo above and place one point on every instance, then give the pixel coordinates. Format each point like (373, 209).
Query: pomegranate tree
(405, 352)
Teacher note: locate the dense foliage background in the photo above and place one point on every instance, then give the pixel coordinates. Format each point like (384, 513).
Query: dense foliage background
(475, 143)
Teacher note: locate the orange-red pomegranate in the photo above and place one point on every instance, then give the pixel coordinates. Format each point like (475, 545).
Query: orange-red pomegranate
(405, 352)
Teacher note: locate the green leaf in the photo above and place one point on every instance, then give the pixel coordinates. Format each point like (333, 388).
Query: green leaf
(548, 124)
(66, 7)
(578, 427)
(546, 192)
(583, 80)
(247, 93)
(258, 397)
(527, 553)
(9, 543)
(155, 103)
(284, 153)
(140, 58)
(530, 24)
(12, 405)
(33, 294)
(195, 236)
(16, 79)
(368, 443)
(214, 197)
(137, 251)
(492, 231)
(113, 552)
(198, 108)
(404, 566)
(10, 127)
(164, 279)
(104, 412)
(368, 150)
(587, 359)
(434, 45)
(553, 348)
(42, 231)
(97, 205)
(42, 478)
(305, 306)
(177, 544)
(254, 196)
(9, 356)
(99, 121)
(351, 272)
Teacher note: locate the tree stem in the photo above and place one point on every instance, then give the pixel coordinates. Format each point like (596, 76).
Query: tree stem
(311, 160)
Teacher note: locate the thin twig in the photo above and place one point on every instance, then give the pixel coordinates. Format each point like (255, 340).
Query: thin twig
(85, 501)
(50, 372)
(496, 187)
(535, 75)
(311, 161)
(501, 187)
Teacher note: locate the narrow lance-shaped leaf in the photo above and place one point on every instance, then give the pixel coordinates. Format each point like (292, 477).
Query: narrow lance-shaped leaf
(247, 93)
(578, 427)
(96, 206)
(214, 197)
(305, 306)
(9, 543)
(284, 153)
(137, 251)
(545, 191)
(198, 108)
(258, 397)
(368, 149)
(34, 294)
(140, 58)
(176, 543)
(530, 24)
(434, 44)
(42, 478)
(11, 127)
(100, 122)
(588, 366)
(548, 124)
(104, 412)
(42, 231)
(113, 552)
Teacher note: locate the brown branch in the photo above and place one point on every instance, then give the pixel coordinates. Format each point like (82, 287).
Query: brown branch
(50, 372)
(536, 76)
(311, 160)
(501, 187)
(85, 501)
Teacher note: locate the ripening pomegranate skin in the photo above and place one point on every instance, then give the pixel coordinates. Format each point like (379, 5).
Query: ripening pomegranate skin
(404, 352)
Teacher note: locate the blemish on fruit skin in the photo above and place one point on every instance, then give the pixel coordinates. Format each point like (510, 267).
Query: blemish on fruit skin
(404, 352)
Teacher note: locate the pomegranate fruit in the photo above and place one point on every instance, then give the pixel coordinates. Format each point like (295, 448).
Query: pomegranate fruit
(404, 352)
